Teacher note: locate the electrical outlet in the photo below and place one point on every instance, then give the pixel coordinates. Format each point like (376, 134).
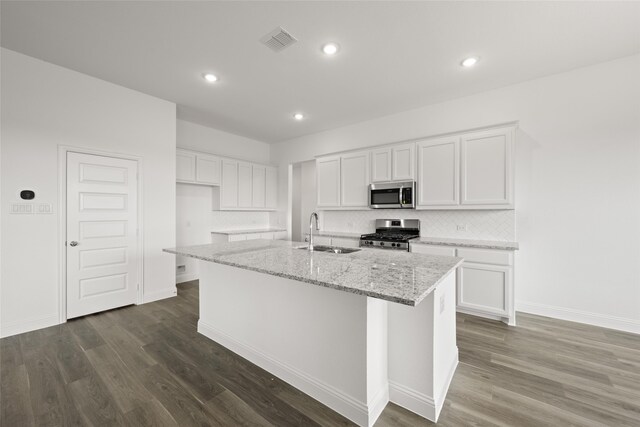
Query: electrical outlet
(441, 304)
(461, 227)
(181, 268)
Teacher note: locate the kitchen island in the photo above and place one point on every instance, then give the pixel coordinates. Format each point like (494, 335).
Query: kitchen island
(354, 331)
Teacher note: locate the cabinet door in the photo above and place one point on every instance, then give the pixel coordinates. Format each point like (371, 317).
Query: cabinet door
(354, 179)
(245, 183)
(403, 157)
(484, 288)
(185, 166)
(271, 197)
(328, 181)
(438, 172)
(229, 187)
(259, 186)
(381, 165)
(207, 169)
(487, 167)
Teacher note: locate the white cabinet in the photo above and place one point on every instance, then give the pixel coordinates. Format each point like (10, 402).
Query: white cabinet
(229, 187)
(485, 288)
(438, 172)
(402, 162)
(328, 181)
(487, 167)
(259, 186)
(394, 163)
(245, 181)
(207, 169)
(271, 190)
(185, 166)
(381, 165)
(343, 181)
(354, 179)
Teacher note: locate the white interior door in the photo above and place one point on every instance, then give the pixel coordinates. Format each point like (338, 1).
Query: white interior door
(102, 258)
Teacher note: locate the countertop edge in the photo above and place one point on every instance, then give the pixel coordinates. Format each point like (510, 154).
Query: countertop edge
(403, 301)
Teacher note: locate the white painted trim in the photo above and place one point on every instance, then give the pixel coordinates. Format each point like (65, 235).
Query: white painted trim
(187, 277)
(20, 326)
(348, 406)
(420, 403)
(595, 319)
(511, 321)
(377, 404)
(412, 400)
(158, 295)
(62, 221)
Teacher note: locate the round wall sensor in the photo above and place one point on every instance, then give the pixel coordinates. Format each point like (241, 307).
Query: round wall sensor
(27, 195)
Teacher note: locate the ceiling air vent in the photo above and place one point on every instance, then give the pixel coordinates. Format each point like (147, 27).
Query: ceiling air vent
(278, 39)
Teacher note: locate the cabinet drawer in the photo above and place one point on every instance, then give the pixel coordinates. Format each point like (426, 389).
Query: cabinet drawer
(486, 256)
(432, 249)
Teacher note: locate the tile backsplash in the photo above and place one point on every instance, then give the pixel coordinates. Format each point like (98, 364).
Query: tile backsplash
(473, 224)
(233, 220)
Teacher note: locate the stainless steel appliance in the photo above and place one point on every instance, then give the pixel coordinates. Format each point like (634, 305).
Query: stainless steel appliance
(392, 195)
(392, 234)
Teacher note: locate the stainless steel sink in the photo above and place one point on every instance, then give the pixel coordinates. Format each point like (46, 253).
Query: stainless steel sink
(331, 249)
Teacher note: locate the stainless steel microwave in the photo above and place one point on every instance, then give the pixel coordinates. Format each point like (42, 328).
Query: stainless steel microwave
(392, 195)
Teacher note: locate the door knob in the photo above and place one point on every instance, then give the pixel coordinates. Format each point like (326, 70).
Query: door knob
(73, 243)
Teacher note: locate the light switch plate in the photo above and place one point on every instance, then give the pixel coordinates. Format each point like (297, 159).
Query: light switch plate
(44, 208)
(22, 208)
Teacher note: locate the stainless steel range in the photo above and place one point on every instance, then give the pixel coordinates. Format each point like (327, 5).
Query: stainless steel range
(392, 234)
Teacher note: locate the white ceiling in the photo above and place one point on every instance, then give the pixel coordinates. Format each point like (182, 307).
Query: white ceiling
(394, 56)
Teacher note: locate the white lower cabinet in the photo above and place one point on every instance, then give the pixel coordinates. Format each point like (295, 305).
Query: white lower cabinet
(485, 280)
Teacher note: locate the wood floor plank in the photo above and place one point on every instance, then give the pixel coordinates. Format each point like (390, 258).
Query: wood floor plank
(126, 392)
(148, 366)
(15, 404)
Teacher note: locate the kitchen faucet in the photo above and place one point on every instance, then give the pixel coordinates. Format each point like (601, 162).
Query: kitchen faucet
(313, 214)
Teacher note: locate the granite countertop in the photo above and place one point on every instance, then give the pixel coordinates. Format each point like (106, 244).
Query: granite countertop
(336, 234)
(252, 230)
(396, 276)
(469, 243)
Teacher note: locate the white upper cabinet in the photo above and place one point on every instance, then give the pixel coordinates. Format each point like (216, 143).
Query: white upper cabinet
(207, 169)
(487, 167)
(259, 186)
(438, 172)
(328, 181)
(381, 165)
(245, 183)
(229, 187)
(354, 179)
(403, 161)
(395, 163)
(271, 196)
(185, 166)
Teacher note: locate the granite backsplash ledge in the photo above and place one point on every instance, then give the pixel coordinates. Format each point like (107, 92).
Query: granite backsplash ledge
(475, 224)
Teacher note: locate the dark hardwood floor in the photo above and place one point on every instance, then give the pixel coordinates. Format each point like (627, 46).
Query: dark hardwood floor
(147, 366)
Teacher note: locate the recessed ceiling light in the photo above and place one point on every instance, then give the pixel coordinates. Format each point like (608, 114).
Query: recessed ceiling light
(469, 62)
(298, 116)
(211, 78)
(330, 48)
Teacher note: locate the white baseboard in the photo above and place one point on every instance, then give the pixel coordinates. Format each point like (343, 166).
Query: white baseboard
(351, 408)
(21, 326)
(595, 319)
(377, 404)
(412, 400)
(181, 278)
(158, 295)
(418, 402)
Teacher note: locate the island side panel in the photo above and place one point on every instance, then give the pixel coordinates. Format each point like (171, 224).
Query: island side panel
(312, 337)
(422, 350)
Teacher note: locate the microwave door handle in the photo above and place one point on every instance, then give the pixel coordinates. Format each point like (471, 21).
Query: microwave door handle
(400, 196)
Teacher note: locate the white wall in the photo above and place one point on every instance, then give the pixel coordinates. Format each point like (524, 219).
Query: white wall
(577, 182)
(194, 217)
(209, 140)
(43, 107)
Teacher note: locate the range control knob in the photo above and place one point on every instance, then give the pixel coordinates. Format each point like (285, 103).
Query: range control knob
(381, 243)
